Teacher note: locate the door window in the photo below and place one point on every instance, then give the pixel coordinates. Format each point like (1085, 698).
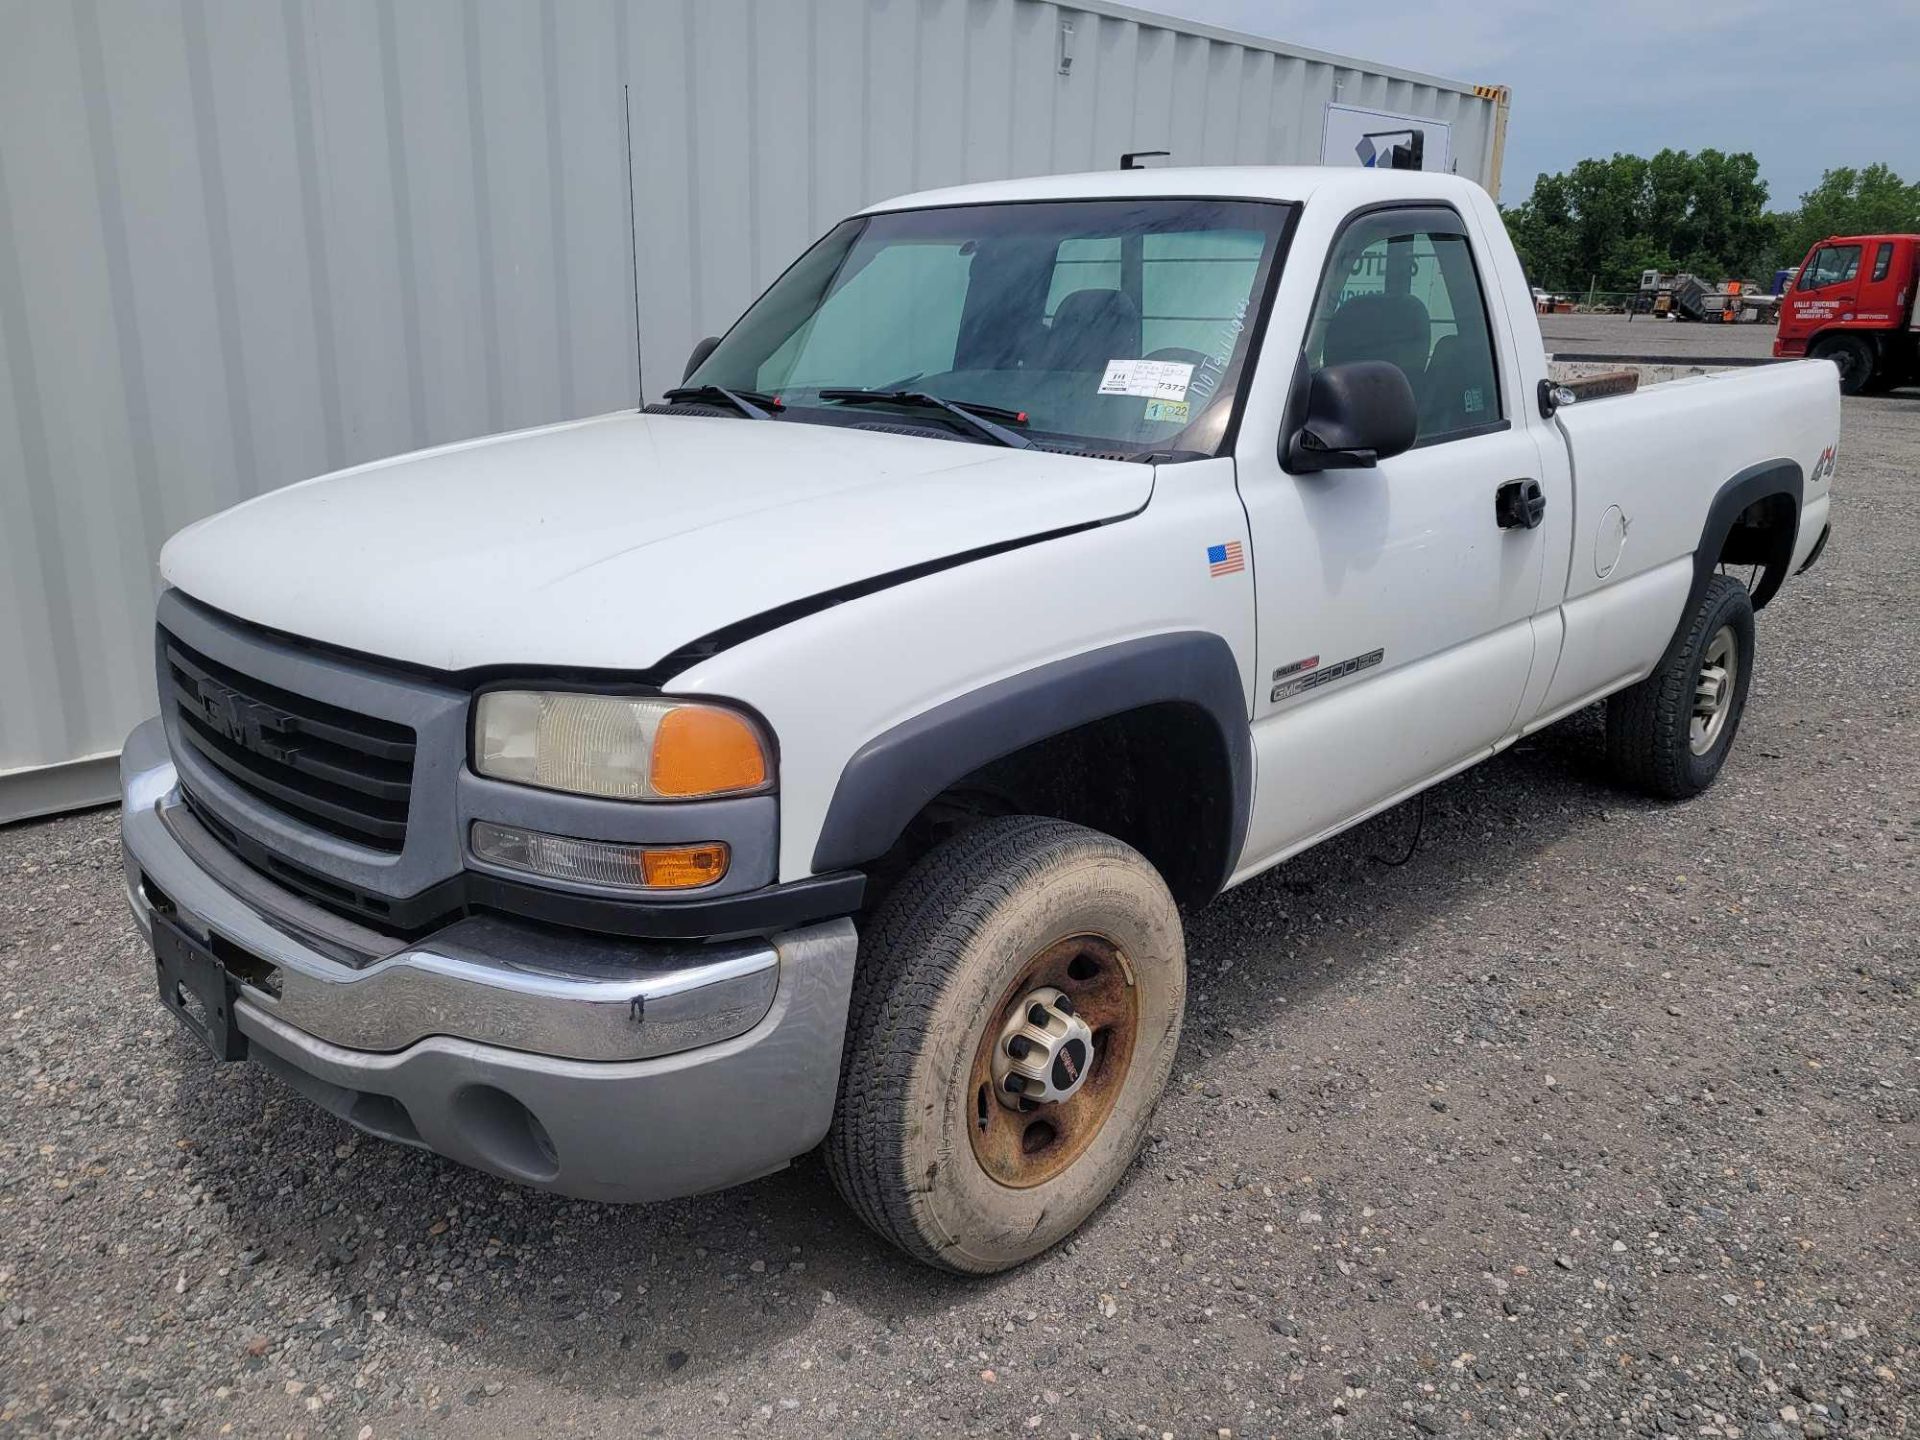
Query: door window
(1402, 287)
(1831, 265)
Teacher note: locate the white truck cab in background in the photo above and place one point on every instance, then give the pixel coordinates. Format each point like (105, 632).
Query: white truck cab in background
(626, 806)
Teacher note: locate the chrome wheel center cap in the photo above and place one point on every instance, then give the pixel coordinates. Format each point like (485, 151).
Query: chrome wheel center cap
(1044, 1052)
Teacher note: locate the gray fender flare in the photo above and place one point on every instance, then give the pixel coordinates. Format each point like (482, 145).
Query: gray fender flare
(1756, 482)
(891, 777)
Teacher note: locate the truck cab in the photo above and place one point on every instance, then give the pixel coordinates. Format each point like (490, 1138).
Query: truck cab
(1853, 302)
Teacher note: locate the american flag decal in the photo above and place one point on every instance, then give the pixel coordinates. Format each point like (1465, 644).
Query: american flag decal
(1227, 559)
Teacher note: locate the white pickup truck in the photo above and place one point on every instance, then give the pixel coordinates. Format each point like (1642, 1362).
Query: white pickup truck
(628, 806)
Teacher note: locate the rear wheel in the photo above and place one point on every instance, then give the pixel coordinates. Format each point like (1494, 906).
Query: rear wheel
(1853, 356)
(1670, 734)
(1014, 1022)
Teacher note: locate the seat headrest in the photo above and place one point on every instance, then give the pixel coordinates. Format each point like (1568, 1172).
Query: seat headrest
(1091, 327)
(1394, 328)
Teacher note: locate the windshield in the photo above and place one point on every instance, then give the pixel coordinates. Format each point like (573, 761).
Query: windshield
(1118, 326)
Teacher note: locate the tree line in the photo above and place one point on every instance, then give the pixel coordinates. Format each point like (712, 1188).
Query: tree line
(1601, 223)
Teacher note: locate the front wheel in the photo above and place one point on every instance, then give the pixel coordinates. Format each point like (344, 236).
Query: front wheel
(1853, 356)
(1670, 734)
(1013, 1024)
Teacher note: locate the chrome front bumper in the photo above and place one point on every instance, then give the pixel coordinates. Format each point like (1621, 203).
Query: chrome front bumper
(602, 1068)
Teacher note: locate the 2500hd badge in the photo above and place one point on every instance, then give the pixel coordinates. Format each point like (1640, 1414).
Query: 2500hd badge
(1313, 681)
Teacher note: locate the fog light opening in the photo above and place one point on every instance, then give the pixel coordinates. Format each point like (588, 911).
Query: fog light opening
(505, 1133)
(384, 1116)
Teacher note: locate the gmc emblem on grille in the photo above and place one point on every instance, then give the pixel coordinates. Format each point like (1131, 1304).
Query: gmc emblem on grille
(246, 723)
(224, 712)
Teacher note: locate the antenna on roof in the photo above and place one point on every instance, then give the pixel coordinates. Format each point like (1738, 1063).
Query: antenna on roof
(1131, 160)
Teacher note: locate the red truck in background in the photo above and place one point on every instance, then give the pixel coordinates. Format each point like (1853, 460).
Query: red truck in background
(1853, 303)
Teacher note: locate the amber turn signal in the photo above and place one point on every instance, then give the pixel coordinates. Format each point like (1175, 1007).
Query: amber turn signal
(702, 750)
(683, 867)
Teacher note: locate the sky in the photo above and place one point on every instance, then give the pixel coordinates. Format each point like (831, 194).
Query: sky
(1803, 86)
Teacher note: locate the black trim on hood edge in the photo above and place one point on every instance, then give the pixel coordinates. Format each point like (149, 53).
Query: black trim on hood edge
(705, 647)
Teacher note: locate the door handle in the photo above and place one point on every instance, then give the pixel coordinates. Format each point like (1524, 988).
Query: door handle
(1519, 505)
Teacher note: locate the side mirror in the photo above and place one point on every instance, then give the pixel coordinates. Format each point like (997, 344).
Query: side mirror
(1354, 417)
(700, 352)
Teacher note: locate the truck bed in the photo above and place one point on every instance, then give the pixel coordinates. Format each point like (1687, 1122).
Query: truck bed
(1640, 455)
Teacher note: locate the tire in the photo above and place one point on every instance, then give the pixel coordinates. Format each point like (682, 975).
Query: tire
(920, 1148)
(1853, 356)
(1653, 743)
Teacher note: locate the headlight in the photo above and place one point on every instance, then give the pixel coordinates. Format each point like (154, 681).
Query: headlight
(624, 747)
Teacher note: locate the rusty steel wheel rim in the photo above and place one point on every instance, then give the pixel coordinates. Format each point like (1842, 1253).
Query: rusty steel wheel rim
(1029, 1144)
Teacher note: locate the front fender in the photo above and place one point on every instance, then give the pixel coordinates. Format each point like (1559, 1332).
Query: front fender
(891, 777)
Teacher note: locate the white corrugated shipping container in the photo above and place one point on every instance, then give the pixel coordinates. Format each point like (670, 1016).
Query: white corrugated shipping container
(242, 244)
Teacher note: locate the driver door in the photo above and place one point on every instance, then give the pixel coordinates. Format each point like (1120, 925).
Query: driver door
(1394, 614)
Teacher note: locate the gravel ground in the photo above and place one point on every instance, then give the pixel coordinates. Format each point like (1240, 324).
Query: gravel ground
(1596, 1118)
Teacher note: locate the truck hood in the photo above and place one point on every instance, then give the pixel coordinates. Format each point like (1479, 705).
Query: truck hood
(611, 542)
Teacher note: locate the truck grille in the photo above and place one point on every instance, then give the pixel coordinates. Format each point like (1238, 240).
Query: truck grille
(348, 774)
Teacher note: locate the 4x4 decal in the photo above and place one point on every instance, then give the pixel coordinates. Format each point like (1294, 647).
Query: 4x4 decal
(1823, 467)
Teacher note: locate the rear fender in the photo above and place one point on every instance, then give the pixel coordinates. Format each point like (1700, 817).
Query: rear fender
(1755, 483)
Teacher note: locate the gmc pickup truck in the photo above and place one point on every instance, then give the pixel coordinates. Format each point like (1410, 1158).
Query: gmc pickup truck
(824, 753)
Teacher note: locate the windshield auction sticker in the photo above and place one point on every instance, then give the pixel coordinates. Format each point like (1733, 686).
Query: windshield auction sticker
(1155, 379)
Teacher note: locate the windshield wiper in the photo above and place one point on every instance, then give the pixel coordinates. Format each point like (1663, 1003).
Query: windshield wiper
(977, 418)
(750, 403)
